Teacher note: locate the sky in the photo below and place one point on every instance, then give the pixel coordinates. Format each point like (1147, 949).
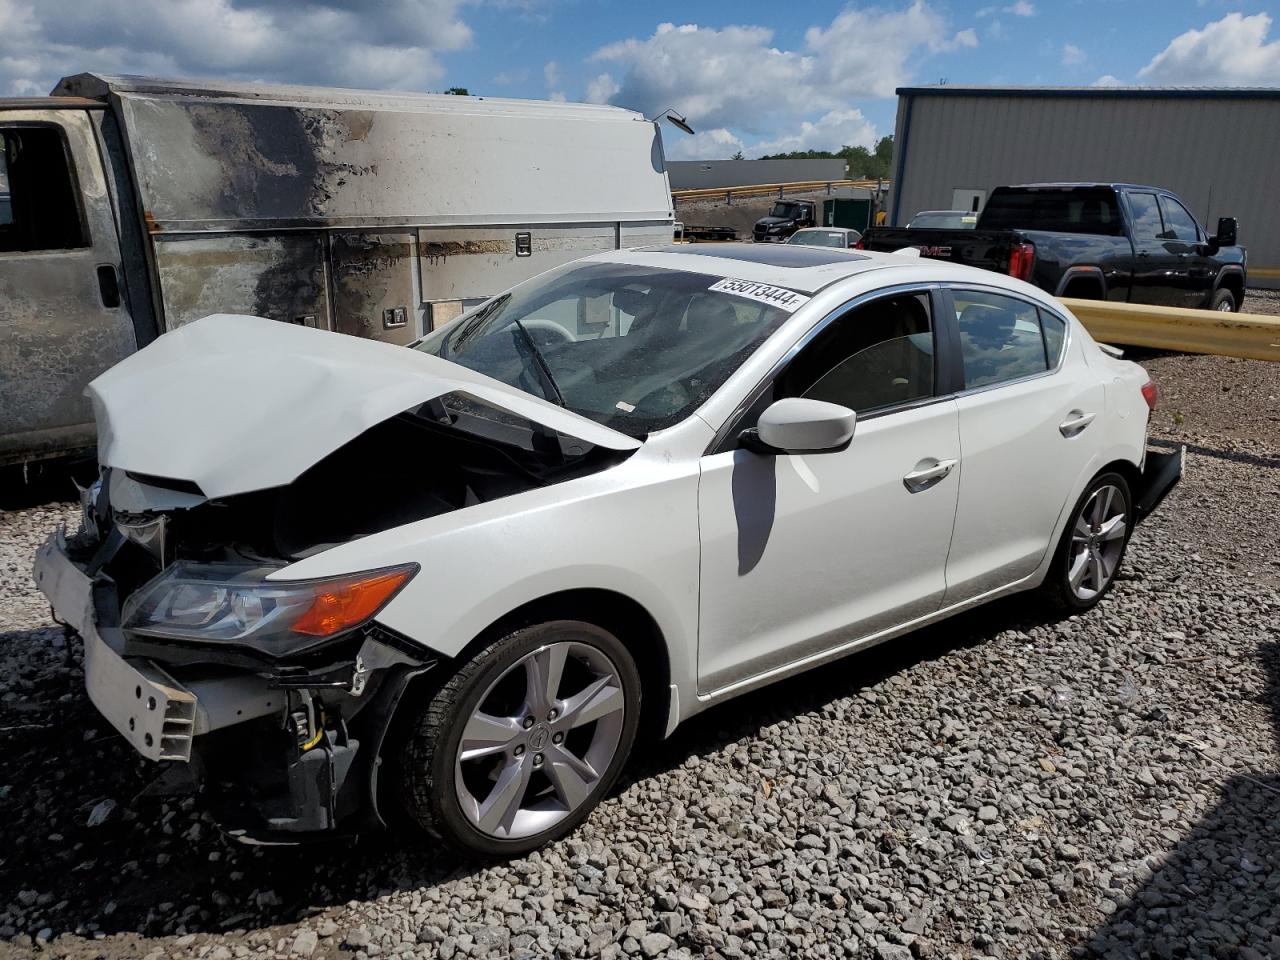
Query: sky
(749, 75)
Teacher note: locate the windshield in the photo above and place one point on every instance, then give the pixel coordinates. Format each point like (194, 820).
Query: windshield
(634, 348)
(944, 220)
(818, 238)
(787, 210)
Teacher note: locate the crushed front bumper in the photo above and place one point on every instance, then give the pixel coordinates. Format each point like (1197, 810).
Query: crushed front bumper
(1161, 472)
(284, 752)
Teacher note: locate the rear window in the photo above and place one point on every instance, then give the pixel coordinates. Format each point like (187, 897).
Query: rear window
(1079, 210)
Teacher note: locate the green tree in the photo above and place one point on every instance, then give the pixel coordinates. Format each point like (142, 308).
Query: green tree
(861, 162)
(458, 91)
(738, 156)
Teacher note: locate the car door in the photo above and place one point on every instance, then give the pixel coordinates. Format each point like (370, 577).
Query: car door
(1155, 262)
(1028, 419)
(63, 314)
(805, 553)
(1193, 269)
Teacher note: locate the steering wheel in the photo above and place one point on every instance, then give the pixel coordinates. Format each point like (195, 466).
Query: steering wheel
(548, 331)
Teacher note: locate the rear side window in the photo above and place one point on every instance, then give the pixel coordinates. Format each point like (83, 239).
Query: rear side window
(1002, 338)
(39, 201)
(1075, 210)
(1178, 224)
(878, 355)
(1147, 224)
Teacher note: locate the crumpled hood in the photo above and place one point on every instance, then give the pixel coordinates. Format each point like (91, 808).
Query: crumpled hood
(237, 403)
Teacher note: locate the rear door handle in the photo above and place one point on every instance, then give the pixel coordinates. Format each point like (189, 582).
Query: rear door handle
(927, 473)
(1075, 422)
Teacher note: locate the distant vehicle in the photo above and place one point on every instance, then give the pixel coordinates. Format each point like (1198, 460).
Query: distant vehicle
(943, 220)
(344, 579)
(1093, 241)
(786, 217)
(844, 237)
(139, 205)
(693, 232)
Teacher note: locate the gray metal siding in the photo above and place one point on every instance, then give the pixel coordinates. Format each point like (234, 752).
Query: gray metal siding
(706, 174)
(1215, 151)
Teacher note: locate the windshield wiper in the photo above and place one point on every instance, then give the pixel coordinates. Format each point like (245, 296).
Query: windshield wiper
(541, 361)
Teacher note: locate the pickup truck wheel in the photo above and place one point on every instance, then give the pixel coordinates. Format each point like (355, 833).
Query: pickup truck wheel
(1092, 546)
(518, 746)
(1223, 300)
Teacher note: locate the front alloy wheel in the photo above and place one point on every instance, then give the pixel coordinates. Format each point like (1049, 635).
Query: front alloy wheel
(534, 748)
(523, 740)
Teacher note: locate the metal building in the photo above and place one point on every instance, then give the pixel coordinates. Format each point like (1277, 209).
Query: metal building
(1214, 147)
(705, 174)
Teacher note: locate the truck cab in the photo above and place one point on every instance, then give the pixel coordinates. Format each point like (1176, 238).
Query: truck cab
(786, 217)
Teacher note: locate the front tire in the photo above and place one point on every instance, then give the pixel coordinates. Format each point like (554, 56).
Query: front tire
(1092, 546)
(1223, 300)
(520, 744)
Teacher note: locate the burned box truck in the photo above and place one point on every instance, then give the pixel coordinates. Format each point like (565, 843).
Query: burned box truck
(130, 206)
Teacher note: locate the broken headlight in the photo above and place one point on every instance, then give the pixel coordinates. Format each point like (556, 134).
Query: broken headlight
(220, 603)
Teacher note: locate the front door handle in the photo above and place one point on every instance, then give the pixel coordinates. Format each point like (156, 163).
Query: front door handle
(927, 473)
(1075, 422)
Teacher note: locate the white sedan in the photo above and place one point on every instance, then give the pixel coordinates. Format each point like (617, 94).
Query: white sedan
(455, 583)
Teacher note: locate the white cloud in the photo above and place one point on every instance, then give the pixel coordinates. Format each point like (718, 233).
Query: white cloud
(551, 77)
(510, 78)
(1019, 8)
(1107, 80)
(1232, 50)
(601, 88)
(831, 132)
(392, 44)
(717, 144)
(736, 78)
(1072, 55)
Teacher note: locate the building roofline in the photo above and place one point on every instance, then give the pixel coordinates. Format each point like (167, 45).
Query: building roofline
(1102, 93)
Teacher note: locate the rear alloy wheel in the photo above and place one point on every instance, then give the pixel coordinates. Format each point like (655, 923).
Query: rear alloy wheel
(519, 745)
(1092, 546)
(1223, 300)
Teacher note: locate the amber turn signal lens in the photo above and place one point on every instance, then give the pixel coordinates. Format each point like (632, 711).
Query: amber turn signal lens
(344, 604)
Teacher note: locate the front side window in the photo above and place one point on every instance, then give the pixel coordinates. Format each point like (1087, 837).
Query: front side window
(1001, 338)
(878, 355)
(634, 348)
(39, 205)
(1178, 224)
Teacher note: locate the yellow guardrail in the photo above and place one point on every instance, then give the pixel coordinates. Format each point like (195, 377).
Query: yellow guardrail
(770, 189)
(1174, 328)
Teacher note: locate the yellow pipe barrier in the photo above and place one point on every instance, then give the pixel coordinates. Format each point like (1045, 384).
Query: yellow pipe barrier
(758, 190)
(1244, 335)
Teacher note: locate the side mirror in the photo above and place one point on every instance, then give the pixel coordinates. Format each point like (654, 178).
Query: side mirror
(796, 425)
(1226, 235)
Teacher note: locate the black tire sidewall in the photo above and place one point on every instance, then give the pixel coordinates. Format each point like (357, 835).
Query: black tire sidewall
(1222, 295)
(437, 743)
(1060, 584)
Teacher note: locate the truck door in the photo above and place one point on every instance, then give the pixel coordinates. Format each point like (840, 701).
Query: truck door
(63, 314)
(1193, 271)
(1155, 263)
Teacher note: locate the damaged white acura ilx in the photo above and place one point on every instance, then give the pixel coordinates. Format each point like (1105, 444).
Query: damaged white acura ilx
(449, 586)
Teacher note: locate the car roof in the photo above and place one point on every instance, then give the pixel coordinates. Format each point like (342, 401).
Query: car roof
(824, 230)
(796, 267)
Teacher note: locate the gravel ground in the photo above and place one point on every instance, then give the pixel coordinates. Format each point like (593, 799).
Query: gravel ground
(1006, 784)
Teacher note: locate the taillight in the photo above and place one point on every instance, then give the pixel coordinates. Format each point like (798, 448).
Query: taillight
(860, 245)
(1150, 393)
(1021, 259)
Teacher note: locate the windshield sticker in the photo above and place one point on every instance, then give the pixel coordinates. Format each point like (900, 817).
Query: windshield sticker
(779, 297)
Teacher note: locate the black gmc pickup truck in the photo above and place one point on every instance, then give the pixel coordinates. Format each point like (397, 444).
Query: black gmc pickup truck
(1094, 241)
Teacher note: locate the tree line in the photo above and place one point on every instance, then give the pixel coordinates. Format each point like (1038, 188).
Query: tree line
(862, 162)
